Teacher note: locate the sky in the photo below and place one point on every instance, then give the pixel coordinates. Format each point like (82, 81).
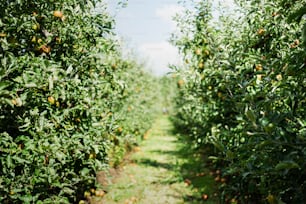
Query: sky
(145, 26)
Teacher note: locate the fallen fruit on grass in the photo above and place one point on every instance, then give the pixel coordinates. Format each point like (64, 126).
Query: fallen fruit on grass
(200, 174)
(217, 178)
(271, 199)
(187, 182)
(99, 193)
(93, 191)
(204, 196)
(87, 194)
(134, 199)
(233, 201)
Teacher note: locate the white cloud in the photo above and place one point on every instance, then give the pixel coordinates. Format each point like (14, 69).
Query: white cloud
(159, 55)
(167, 12)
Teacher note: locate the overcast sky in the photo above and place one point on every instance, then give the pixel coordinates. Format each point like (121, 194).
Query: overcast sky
(146, 26)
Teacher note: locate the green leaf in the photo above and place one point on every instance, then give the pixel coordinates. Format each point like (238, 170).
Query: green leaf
(68, 191)
(30, 85)
(214, 158)
(251, 116)
(9, 161)
(27, 199)
(4, 85)
(21, 160)
(297, 15)
(287, 165)
(85, 171)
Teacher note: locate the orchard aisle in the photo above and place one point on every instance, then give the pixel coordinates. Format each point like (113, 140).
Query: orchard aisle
(153, 176)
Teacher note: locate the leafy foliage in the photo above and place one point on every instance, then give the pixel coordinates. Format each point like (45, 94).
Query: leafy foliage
(244, 93)
(65, 93)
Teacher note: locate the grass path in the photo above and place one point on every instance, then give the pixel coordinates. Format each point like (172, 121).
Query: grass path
(161, 172)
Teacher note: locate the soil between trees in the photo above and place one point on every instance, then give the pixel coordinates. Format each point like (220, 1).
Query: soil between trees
(162, 170)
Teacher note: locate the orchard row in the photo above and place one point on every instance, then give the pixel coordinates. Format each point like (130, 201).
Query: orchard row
(243, 92)
(70, 103)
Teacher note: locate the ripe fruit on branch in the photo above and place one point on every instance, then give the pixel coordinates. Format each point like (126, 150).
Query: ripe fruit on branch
(33, 40)
(39, 40)
(36, 26)
(258, 67)
(201, 65)
(58, 39)
(274, 14)
(17, 102)
(261, 31)
(2, 35)
(87, 194)
(198, 51)
(119, 129)
(92, 156)
(259, 77)
(180, 83)
(114, 66)
(51, 100)
(58, 14)
(279, 77)
(295, 44)
(45, 49)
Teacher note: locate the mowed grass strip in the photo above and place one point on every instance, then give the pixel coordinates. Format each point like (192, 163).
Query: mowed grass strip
(162, 170)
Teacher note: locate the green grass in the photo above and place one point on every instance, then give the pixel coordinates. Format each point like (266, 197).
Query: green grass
(160, 171)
